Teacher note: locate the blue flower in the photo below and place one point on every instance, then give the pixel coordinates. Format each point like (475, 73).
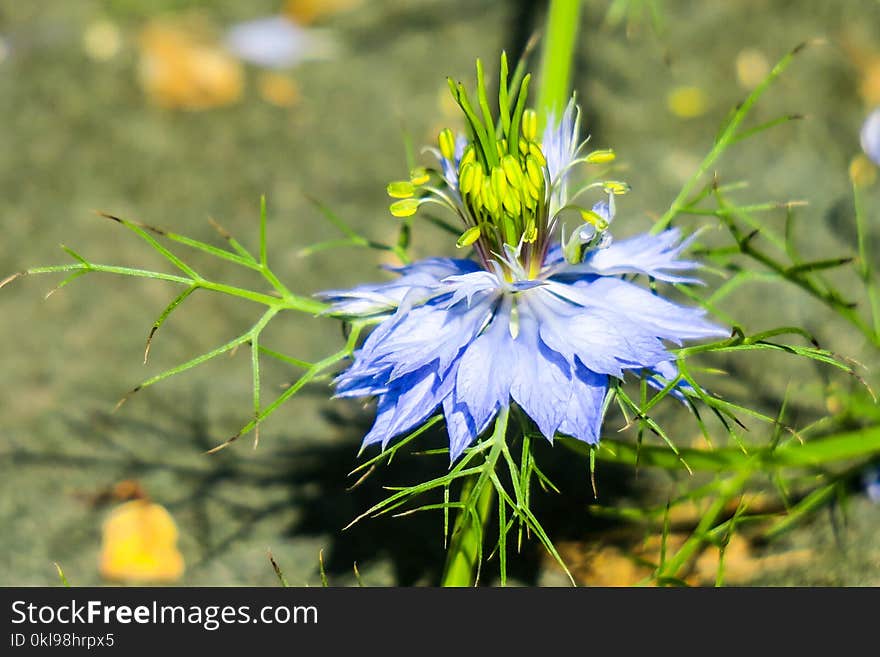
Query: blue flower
(538, 319)
(468, 340)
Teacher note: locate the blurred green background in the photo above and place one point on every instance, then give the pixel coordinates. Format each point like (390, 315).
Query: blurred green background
(81, 132)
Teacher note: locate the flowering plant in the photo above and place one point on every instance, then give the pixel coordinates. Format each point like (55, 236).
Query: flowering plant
(545, 325)
(538, 318)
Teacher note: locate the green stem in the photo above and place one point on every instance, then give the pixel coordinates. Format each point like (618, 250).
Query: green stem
(727, 491)
(286, 302)
(477, 497)
(467, 538)
(557, 56)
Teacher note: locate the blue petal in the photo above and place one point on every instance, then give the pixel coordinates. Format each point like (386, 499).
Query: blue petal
(560, 140)
(555, 256)
(583, 417)
(466, 286)
(407, 404)
(650, 312)
(652, 255)
(486, 369)
(360, 381)
(432, 333)
(559, 144)
(605, 342)
(419, 281)
(461, 427)
(542, 378)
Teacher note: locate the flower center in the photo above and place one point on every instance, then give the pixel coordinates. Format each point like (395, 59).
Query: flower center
(506, 185)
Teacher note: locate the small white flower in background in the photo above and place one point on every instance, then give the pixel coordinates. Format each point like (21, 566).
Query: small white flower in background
(871, 137)
(277, 42)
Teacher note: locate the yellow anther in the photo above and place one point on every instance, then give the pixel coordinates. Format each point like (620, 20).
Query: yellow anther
(523, 147)
(511, 202)
(538, 154)
(405, 208)
(530, 124)
(469, 155)
(478, 178)
(419, 176)
(490, 200)
(468, 237)
(601, 157)
(534, 192)
(499, 182)
(401, 189)
(535, 172)
(594, 219)
(616, 187)
(447, 143)
(466, 177)
(476, 199)
(531, 232)
(512, 170)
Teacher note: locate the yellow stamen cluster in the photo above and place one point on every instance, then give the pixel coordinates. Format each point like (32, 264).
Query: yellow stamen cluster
(499, 184)
(508, 197)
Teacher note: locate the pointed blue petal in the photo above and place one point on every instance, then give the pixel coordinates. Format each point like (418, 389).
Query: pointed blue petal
(583, 417)
(433, 334)
(542, 378)
(406, 404)
(486, 369)
(652, 255)
(460, 426)
(650, 312)
(603, 341)
(418, 280)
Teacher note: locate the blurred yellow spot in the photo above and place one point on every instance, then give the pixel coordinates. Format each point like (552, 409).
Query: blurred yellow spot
(860, 49)
(869, 89)
(309, 11)
(180, 68)
(751, 68)
(139, 544)
(862, 171)
(278, 89)
(102, 40)
(687, 102)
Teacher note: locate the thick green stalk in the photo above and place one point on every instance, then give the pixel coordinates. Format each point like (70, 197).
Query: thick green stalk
(477, 497)
(464, 551)
(560, 38)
